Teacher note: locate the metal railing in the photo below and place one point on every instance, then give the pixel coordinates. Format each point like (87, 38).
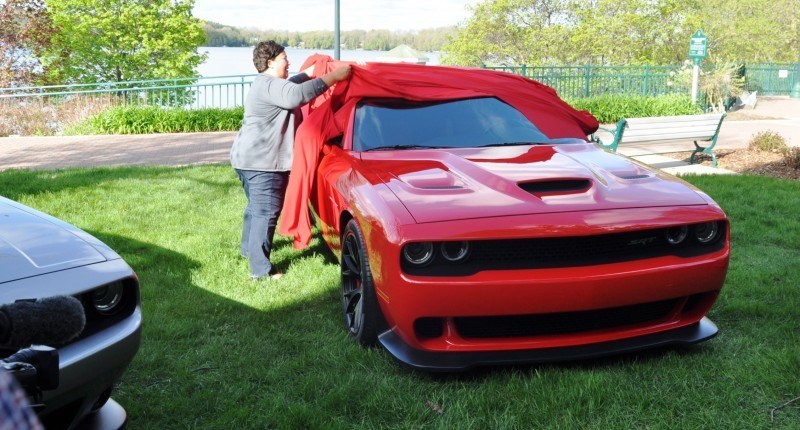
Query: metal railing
(190, 93)
(588, 81)
(230, 91)
(770, 79)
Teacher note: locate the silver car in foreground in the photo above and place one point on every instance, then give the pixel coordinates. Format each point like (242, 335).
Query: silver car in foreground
(41, 257)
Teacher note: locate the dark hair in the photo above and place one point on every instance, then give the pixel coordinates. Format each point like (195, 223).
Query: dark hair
(264, 52)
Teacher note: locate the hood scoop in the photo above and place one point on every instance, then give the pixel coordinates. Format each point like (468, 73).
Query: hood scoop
(634, 176)
(556, 187)
(433, 179)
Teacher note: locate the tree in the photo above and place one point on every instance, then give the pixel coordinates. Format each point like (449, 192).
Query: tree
(511, 32)
(623, 32)
(25, 30)
(758, 31)
(631, 31)
(123, 40)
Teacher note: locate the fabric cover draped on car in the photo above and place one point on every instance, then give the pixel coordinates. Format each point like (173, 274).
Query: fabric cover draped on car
(328, 115)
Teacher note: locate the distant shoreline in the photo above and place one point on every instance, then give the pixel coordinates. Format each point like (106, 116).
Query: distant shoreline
(238, 60)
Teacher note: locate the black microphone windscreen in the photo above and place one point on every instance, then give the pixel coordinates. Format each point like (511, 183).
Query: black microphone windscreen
(47, 321)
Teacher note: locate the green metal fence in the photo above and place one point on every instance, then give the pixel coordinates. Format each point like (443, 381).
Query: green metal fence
(192, 93)
(771, 79)
(587, 81)
(230, 91)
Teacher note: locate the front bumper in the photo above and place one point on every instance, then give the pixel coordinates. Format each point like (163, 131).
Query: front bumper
(111, 416)
(91, 365)
(459, 361)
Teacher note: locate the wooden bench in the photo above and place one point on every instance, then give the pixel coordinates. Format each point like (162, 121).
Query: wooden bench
(667, 129)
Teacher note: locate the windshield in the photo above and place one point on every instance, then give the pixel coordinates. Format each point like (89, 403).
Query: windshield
(468, 123)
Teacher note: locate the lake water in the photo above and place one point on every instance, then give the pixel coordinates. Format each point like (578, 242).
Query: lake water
(227, 61)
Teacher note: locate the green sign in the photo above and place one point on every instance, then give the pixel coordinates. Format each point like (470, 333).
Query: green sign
(698, 46)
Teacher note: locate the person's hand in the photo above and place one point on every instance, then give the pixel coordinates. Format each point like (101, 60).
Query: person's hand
(342, 72)
(309, 71)
(338, 74)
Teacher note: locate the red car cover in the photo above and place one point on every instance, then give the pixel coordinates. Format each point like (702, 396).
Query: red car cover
(328, 115)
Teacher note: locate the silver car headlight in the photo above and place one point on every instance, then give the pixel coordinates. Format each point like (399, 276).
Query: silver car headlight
(108, 299)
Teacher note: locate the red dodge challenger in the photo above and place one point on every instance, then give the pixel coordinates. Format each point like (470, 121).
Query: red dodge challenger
(476, 224)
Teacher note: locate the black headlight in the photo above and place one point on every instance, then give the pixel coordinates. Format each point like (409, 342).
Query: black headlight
(418, 253)
(676, 235)
(455, 252)
(707, 232)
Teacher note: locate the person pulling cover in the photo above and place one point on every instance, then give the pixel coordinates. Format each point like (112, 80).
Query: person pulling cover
(262, 151)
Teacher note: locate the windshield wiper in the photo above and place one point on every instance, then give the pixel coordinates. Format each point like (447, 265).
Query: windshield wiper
(391, 147)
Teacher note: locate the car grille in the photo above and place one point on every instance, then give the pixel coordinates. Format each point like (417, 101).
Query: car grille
(568, 323)
(565, 322)
(559, 252)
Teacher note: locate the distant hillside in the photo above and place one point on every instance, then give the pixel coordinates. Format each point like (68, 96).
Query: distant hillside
(376, 40)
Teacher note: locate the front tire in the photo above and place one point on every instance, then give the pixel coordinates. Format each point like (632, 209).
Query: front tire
(362, 315)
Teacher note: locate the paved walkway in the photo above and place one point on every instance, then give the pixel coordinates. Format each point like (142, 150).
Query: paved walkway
(171, 149)
(197, 148)
(778, 114)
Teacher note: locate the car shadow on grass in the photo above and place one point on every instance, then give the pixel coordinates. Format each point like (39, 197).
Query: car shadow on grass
(205, 347)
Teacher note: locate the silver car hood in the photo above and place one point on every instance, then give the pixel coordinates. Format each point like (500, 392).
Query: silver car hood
(33, 243)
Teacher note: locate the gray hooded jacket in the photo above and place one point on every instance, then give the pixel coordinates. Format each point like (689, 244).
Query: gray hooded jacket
(265, 141)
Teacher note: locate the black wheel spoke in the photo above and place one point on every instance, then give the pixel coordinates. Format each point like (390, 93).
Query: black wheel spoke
(351, 258)
(352, 269)
(352, 310)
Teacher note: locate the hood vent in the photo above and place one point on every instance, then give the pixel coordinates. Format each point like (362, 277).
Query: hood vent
(561, 186)
(635, 176)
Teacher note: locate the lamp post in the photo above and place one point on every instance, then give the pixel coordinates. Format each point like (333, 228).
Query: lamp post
(795, 94)
(336, 43)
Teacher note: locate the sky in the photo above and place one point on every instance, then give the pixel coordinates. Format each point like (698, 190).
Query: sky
(308, 15)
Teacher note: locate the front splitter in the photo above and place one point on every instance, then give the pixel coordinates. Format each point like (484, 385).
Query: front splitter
(460, 361)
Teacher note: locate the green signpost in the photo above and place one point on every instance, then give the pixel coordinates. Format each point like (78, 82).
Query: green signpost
(698, 50)
(698, 46)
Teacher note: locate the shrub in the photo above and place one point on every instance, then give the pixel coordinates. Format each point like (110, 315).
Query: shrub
(767, 141)
(717, 82)
(613, 107)
(153, 119)
(792, 157)
(47, 116)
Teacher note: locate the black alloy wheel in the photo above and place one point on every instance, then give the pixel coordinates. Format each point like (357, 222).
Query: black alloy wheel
(362, 315)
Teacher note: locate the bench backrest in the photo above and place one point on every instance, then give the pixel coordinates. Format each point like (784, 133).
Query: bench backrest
(671, 128)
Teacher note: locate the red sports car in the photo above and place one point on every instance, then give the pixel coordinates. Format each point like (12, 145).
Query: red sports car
(476, 224)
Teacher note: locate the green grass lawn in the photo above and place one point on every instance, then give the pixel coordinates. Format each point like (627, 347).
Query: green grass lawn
(221, 351)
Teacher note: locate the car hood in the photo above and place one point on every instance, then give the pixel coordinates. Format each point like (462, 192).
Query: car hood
(33, 243)
(440, 185)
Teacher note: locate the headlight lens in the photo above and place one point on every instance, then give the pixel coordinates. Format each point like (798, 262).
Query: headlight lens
(418, 253)
(455, 252)
(108, 298)
(676, 235)
(706, 232)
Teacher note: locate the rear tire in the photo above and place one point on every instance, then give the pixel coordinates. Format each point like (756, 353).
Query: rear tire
(362, 314)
